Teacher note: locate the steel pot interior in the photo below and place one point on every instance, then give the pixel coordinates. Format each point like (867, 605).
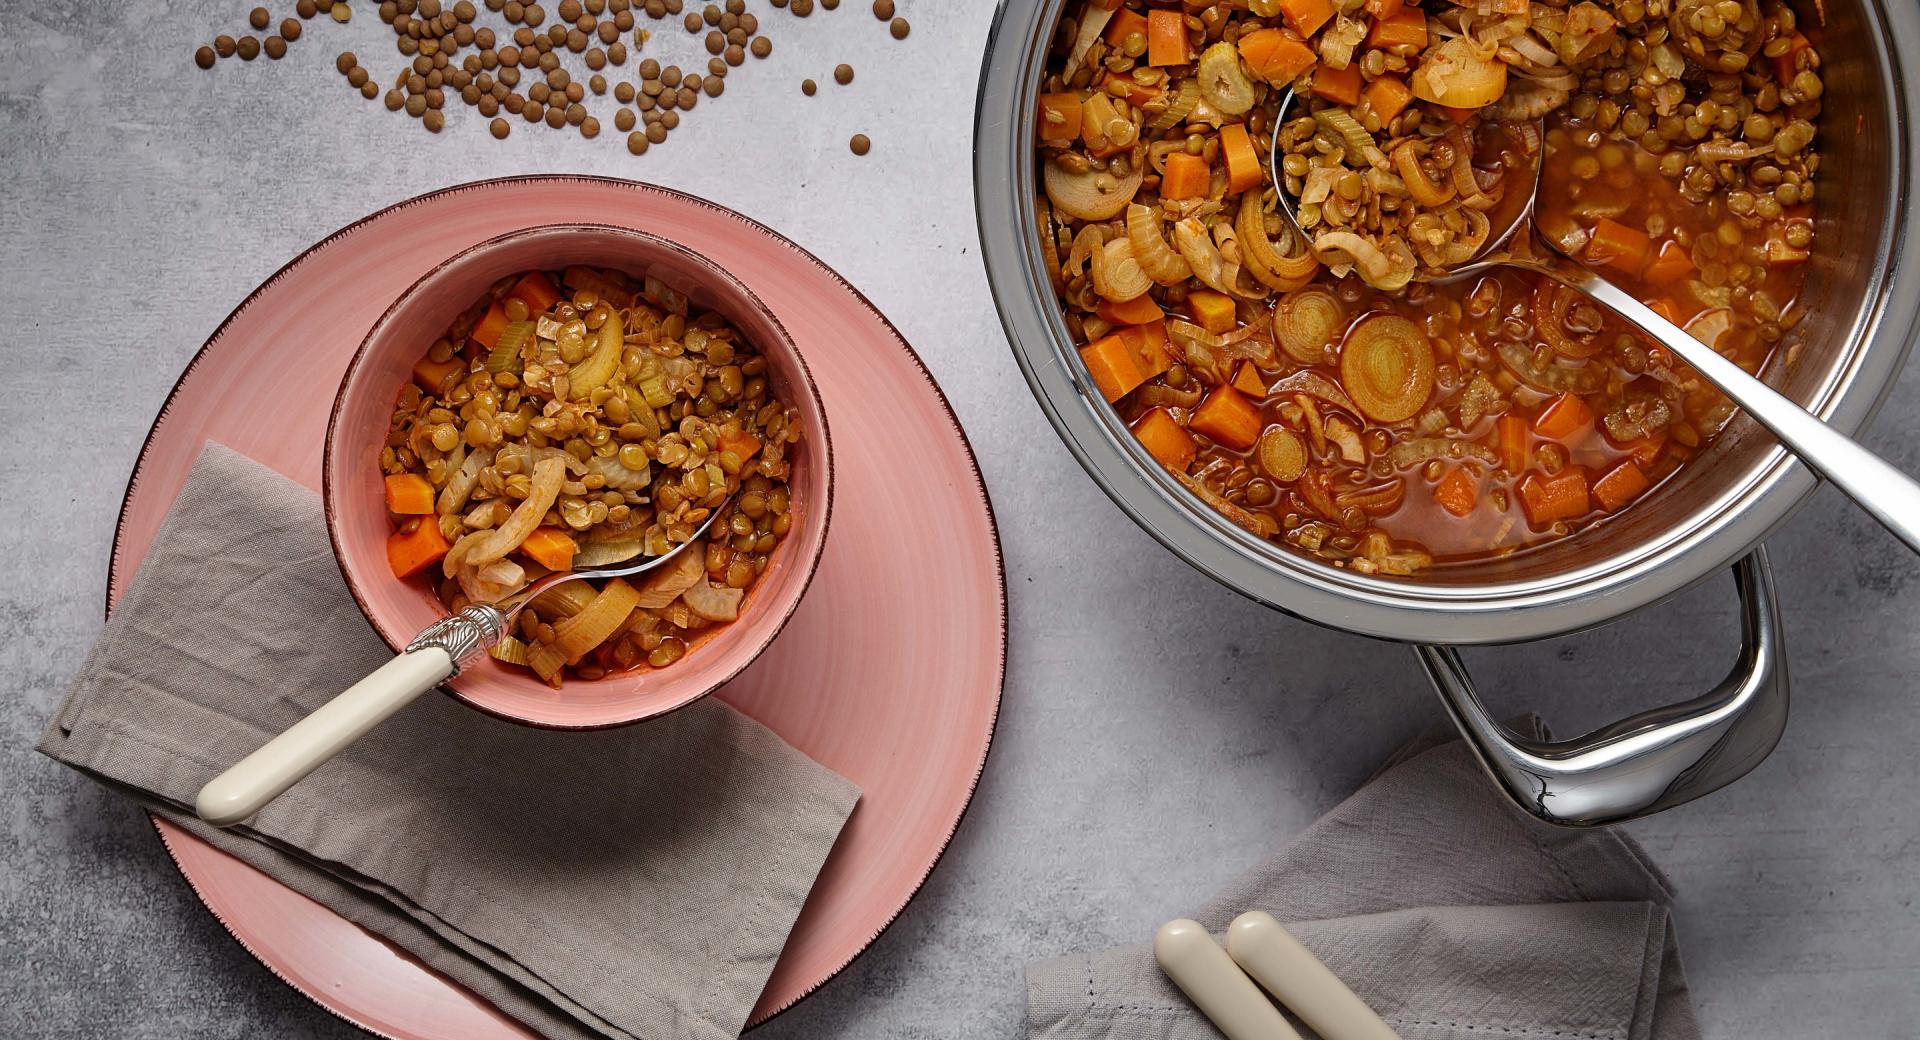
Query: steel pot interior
(1862, 305)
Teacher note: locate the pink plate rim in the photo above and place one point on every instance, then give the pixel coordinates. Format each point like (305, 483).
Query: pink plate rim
(115, 578)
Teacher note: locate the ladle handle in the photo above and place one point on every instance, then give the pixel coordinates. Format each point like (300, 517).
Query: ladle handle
(434, 655)
(1890, 496)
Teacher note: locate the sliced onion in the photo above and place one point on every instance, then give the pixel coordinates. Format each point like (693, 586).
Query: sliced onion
(576, 636)
(1306, 323)
(1376, 267)
(544, 488)
(1406, 159)
(1049, 246)
(1093, 195)
(1551, 304)
(1190, 237)
(1387, 366)
(1313, 384)
(1258, 523)
(1266, 263)
(1117, 275)
(1378, 500)
(1156, 258)
(713, 602)
(664, 586)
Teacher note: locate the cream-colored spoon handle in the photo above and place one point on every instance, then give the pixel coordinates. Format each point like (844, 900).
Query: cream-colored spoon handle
(1221, 991)
(1297, 979)
(262, 776)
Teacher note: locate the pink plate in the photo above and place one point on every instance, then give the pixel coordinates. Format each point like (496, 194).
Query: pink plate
(890, 672)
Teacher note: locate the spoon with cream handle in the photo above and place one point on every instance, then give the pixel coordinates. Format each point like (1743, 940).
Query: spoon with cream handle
(430, 659)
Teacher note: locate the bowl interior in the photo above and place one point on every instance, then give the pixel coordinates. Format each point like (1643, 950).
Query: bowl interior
(356, 511)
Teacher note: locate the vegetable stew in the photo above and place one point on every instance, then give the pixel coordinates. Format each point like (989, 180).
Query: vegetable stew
(576, 419)
(1316, 386)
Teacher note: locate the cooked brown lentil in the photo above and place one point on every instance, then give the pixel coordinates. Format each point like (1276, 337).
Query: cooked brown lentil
(1525, 413)
(624, 418)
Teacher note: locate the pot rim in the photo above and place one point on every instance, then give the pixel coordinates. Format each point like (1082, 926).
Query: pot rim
(1712, 536)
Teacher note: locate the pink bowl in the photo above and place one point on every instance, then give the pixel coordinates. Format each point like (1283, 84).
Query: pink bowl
(356, 510)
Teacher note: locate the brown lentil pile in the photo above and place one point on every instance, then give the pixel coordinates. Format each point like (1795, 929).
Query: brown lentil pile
(517, 69)
(576, 419)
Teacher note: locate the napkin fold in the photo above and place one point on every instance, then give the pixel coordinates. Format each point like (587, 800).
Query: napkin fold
(636, 882)
(1451, 913)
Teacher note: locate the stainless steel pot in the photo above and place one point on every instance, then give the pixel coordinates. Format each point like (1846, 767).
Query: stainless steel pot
(1863, 309)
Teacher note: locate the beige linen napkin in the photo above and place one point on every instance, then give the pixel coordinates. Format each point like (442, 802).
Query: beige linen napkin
(636, 882)
(1451, 913)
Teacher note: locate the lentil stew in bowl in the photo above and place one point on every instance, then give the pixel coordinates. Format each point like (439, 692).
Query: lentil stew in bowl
(1319, 389)
(574, 419)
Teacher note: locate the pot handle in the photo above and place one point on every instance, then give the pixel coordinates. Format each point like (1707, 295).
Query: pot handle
(1651, 761)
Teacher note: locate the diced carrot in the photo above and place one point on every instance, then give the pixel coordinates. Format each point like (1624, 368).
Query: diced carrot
(1670, 265)
(417, 545)
(1059, 116)
(486, 331)
(1166, 440)
(1785, 65)
(1621, 485)
(1458, 492)
(1211, 310)
(1512, 442)
(1243, 163)
(1247, 380)
(1306, 16)
(1618, 246)
(740, 442)
(1458, 115)
(1566, 418)
(537, 292)
(1341, 86)
(1276, 57)
(1167, 38)
(551, 548)
(1149, 345)
(409, 494)
(1125, 23)
(1384, 8)
(1137, 311)
(1186, 177)
(1110, 362)
(1562, 496)
(432, 374)
(1647, 450)
(1136, 92)
(1229, 418)
(1407, 28)
(1388, 96)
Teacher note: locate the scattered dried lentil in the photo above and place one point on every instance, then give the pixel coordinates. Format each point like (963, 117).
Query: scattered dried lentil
(860, 144)
(843, 74)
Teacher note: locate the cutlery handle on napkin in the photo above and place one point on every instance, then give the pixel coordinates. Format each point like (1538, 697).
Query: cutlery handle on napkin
(1296, 978)
(1221, 991)
(262, 776)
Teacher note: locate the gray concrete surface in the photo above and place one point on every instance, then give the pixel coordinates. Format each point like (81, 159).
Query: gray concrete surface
(1158, 733)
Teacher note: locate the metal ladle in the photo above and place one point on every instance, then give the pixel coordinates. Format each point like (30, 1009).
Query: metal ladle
(1890, 496)
(432, 657)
